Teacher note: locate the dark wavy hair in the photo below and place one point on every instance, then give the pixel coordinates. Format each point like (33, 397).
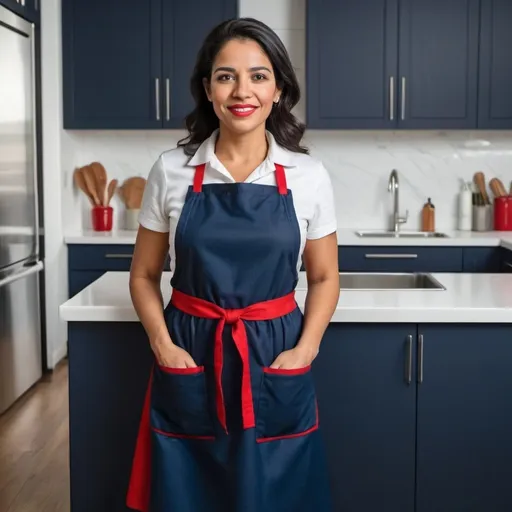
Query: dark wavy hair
(202, 121)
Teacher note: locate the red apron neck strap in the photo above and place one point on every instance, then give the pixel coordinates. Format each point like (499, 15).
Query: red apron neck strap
(199, 177)
(281, 180)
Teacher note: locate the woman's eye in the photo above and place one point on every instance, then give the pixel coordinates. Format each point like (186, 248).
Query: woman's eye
(224, 78)
(259, 76)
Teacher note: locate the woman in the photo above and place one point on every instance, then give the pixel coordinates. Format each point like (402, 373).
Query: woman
(230, 420)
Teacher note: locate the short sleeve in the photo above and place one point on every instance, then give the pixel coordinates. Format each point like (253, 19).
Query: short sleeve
(323, 221)
(153, 212)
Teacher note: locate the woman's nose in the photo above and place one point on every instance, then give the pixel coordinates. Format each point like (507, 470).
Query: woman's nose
(242, 88)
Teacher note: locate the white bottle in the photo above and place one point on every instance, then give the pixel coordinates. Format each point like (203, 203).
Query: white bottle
(465, 207)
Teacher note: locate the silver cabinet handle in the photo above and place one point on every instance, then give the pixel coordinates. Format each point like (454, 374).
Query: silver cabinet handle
(420, 358)
(391, 98)
(403, 98)
(36, 4)
(390, 256)
(118, 256)
(157, 98)
(408, 360)
(167, 99)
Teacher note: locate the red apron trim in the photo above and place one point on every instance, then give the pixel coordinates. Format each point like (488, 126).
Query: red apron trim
(281, 371)
(140, 480)
(182, 371)
(280, 179)
(266, 310)
(199, 177)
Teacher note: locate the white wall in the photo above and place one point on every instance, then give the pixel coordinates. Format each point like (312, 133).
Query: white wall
(430, 164)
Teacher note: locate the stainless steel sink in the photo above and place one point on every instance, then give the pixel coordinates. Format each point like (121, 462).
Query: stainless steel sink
(400, 234)
(389, 281)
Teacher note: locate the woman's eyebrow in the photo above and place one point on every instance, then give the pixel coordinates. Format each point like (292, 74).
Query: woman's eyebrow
(233, 70)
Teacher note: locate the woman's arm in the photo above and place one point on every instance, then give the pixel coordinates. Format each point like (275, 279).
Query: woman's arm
(321, 262)
(145, 275)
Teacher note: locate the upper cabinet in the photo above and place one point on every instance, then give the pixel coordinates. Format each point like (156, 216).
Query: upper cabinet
(127, 63)
(494, 94)
(28, 9)
(438, 63)
(352, 63)
(409, 64)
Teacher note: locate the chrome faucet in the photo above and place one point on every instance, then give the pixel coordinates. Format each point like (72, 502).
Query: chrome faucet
(393, 188)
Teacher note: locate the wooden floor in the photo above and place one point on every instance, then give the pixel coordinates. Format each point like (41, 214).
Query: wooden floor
(34, 474)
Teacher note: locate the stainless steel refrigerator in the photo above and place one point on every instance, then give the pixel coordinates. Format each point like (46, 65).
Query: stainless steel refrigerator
(20, 263)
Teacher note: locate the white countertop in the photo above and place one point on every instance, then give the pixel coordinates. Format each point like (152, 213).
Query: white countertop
(345, 237)
(474, 298)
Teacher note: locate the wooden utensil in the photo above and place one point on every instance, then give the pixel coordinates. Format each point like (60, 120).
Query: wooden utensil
(510, 191)
(503, 190)
(479, 180)
(79, 180)
(90, 181)
(100, 176)
(111, 190)
(495, 188)
(132, 192)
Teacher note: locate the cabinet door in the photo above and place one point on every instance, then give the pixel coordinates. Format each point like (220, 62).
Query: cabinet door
(367, 414)
(481, 259)
(494, 98)
(183, 35)
(464, 442)
(112, 63)
(438, 63)
(352, 63)
(506, 261)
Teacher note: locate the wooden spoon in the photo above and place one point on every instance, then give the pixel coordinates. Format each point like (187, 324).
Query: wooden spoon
(79, 180)
(503, 190)
(90, 181)
(479, 180)
(100, 175)
(133, 190)
(496, 190)
(110, 191)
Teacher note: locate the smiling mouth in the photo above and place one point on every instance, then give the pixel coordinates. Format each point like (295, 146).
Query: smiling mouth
(242, 110)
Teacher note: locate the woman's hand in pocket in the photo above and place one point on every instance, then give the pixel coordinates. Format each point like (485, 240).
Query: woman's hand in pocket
(295, 358)
(170, 355)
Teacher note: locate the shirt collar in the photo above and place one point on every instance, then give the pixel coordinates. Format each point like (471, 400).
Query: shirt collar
(276, 154)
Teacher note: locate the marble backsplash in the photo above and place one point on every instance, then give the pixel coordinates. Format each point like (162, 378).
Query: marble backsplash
(430, 164)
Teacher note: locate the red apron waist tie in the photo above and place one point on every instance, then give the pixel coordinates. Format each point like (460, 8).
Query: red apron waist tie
(266, 310)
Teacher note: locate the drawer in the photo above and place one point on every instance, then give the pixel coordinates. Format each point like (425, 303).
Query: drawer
(399, 259)
(100, 257)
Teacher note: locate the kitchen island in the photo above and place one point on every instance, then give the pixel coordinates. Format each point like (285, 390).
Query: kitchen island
(413, 388)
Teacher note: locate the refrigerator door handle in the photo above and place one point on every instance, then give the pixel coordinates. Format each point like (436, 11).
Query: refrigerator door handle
(25, 272)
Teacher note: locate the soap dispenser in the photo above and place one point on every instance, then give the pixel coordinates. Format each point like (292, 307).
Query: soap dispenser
(428, 217)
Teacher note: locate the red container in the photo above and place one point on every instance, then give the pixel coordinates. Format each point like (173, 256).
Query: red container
(102, 218)
(503, 213)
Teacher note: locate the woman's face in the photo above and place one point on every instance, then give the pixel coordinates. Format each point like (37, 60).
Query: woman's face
(242, 86)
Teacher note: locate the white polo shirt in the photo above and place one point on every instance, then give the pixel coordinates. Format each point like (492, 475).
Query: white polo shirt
(173, 173)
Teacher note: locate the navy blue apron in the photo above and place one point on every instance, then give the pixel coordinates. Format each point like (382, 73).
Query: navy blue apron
(232, 435)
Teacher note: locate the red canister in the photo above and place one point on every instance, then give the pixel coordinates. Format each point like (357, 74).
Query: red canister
(503, 213)
(102, 218)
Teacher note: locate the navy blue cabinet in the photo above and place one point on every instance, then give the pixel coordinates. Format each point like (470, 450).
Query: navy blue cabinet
(506, 261)
(367, 410)
(127, 63)
(481, 259)
(399, 259)
(28, 9)
(495, 100)
(438, 63)
(464, 446)
(409, 64)
(183, 34)
(86, 263)
(351, 63)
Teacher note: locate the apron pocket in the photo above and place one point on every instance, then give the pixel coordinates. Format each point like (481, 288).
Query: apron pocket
(287, 405)
(179, 403)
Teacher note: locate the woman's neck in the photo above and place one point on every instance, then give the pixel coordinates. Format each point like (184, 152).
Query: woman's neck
(241, 153)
